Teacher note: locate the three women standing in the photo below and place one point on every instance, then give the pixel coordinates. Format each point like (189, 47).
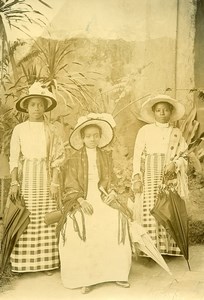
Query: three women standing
(37, 152)
(157, 152)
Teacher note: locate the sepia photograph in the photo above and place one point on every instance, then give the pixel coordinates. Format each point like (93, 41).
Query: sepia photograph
(102, 149)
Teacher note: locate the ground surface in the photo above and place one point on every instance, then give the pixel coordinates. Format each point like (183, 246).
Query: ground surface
(148, 282)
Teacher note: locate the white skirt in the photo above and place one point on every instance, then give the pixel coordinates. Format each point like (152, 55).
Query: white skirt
(100, 258)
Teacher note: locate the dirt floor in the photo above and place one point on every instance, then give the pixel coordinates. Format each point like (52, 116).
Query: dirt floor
(148, 282)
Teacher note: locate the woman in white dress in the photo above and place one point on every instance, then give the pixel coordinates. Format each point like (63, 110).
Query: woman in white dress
(36, 154)
(156, 152)
(90, 251)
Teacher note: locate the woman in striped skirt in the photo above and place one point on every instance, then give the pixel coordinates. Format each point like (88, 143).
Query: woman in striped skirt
(156, 147)
(38, 153)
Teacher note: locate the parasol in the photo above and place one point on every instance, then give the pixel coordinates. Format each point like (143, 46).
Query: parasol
(15, 221)
(170, 211)
(144, 243)
(138, 234)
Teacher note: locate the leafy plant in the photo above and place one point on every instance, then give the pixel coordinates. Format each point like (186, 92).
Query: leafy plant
(51, 65)
(196, 232)
(123, 170)
(8, 119)
(15, 14)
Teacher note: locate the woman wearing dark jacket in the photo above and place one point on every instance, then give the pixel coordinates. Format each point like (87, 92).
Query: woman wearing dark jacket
(90, 251)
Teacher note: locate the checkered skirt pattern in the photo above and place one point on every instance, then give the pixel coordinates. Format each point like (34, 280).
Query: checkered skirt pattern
(154, 164)
(37, 248)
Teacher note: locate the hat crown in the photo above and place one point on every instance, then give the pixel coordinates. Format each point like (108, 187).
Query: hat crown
(38, 89)
(97, 116)
(160, 98)
(104, 120)
(147, 114)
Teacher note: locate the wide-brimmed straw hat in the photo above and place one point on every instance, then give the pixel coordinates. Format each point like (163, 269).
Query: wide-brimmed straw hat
(104, 121)
(147, 114)
(37, 90)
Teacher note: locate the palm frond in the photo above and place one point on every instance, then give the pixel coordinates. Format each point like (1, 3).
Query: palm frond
(30, 56)
(76, 63)
(129, 104)
(19, 28)
(44, 3)
(12, 3)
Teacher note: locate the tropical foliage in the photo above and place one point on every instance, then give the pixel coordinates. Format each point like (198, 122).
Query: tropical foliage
(51, 64)
(15, 14)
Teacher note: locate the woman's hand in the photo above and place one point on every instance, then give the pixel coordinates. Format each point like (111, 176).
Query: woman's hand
(137, 187)
(54, 191)
(170, 168)
(86, 207)
(14, 190)
(109, 198)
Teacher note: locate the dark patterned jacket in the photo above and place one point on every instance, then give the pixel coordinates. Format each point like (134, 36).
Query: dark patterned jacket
(76, 182)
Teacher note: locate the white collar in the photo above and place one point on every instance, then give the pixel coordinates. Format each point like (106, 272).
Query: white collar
(162, 125)
(90, 150)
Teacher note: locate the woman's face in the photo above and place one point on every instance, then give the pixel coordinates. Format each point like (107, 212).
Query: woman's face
(91, 137)
(162, 112)
(36, 109)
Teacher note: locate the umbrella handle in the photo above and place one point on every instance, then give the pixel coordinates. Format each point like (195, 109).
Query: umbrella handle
(189, 267)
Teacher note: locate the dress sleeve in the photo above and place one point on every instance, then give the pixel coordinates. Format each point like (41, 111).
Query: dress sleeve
(15, 149)
(138, 150)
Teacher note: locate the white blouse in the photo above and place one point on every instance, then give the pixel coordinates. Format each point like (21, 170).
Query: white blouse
(92, 165)
(153, 138)
(29, 139)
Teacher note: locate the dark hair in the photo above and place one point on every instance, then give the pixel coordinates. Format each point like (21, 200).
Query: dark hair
(45, 103)
(82, 131)
(169, 104)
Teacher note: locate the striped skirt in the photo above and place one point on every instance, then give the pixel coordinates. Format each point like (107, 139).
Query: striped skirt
(37, 248)
(154, 164)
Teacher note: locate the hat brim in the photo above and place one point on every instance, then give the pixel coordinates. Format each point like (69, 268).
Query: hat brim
(51, 102)
(147, 114)
(107, 135)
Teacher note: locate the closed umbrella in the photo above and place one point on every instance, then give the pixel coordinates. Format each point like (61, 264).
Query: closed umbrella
(4, 174)
(15, 222)
(170, 211)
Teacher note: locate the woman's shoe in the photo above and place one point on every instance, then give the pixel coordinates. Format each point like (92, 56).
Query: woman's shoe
(85, 289)
(124, 284)
(49, 273)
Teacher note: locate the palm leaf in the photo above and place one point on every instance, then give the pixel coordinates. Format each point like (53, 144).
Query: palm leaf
(11, 4)
(44, 3)
(76, 63)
